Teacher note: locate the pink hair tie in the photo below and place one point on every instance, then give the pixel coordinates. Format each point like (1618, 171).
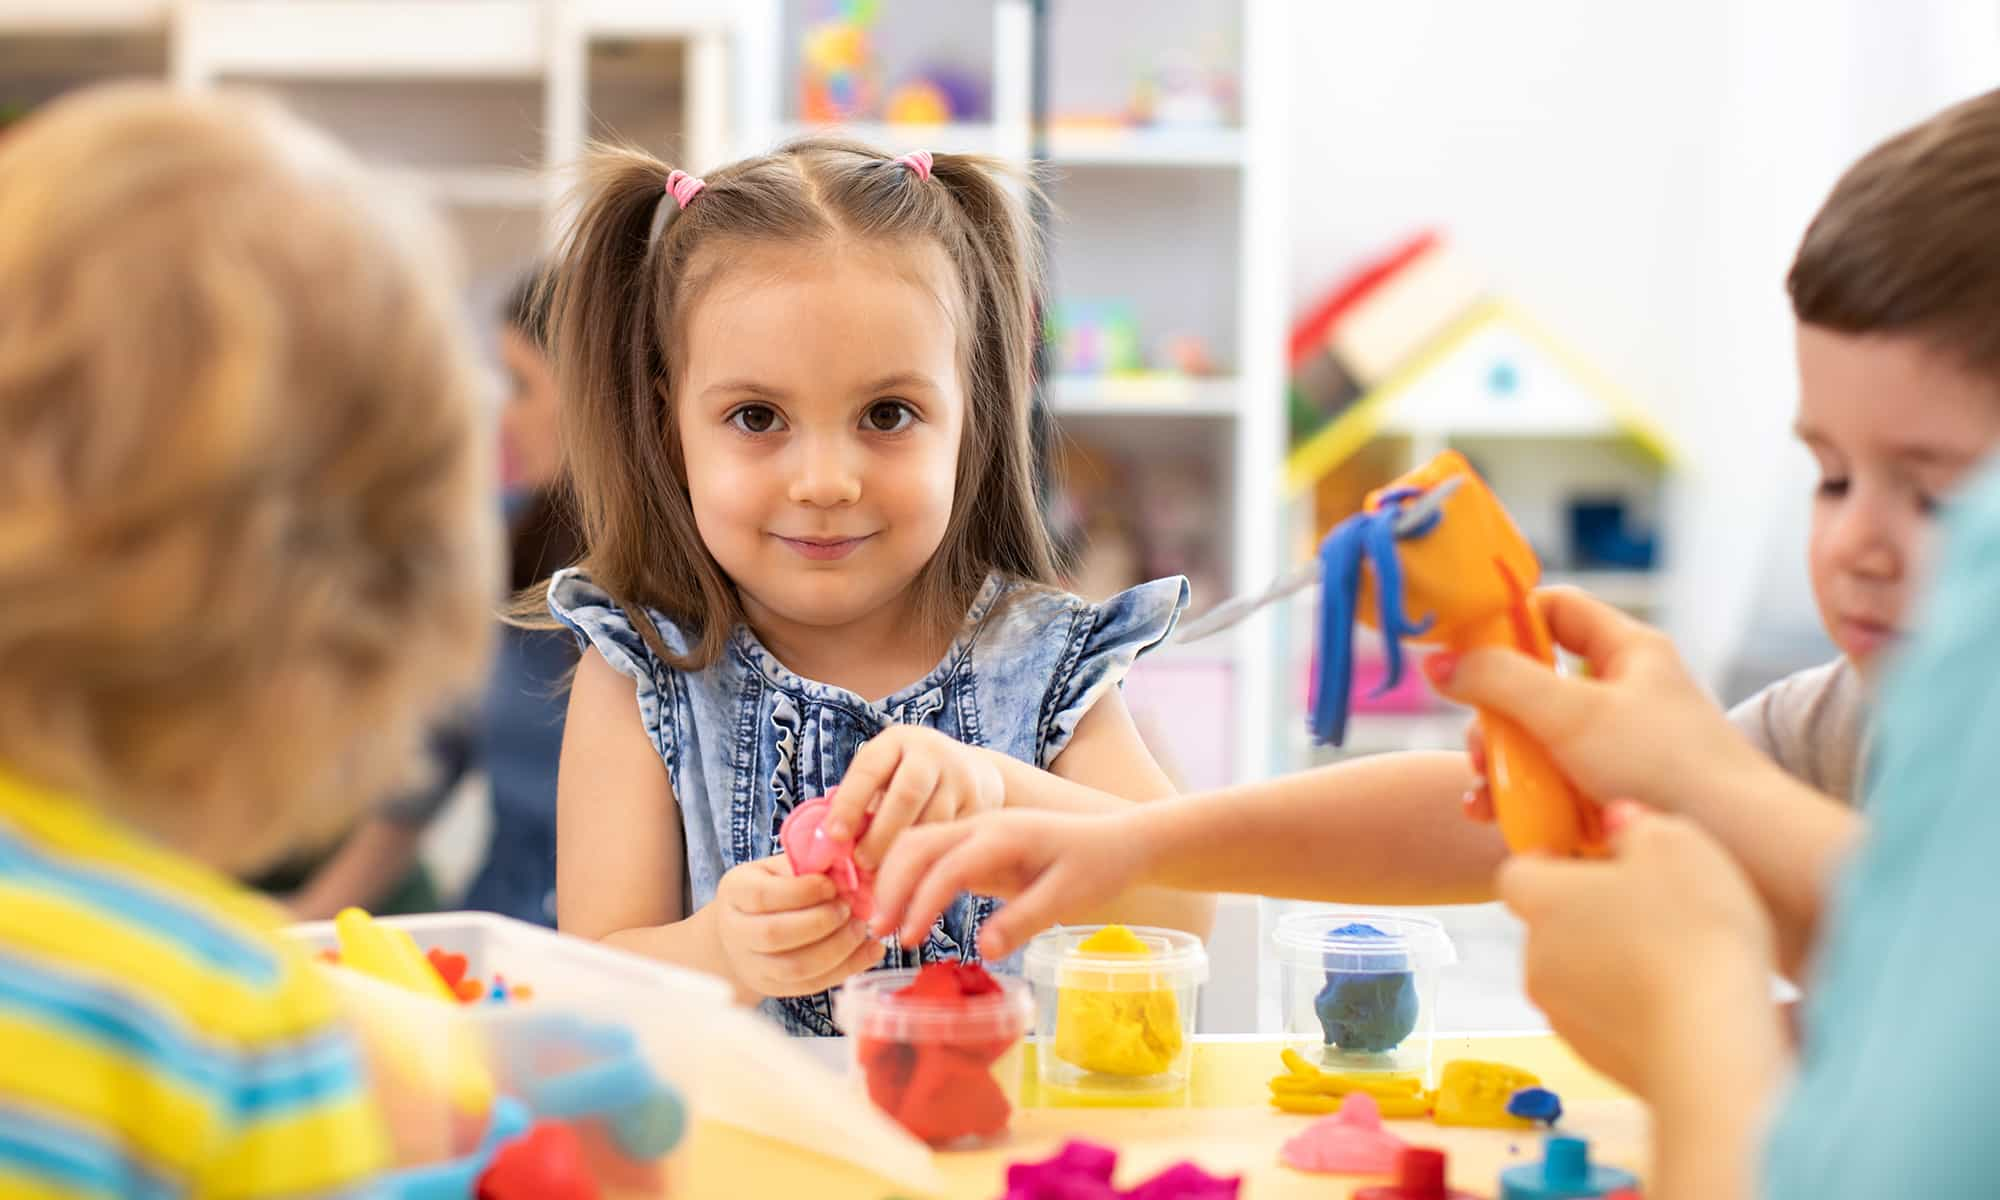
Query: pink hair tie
(919, 163)
(684, 187)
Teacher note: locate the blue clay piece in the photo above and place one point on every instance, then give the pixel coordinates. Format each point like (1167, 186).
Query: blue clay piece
(1536, 1104)
(1367, 1014)
(1565, 1173)
(1369, 1003)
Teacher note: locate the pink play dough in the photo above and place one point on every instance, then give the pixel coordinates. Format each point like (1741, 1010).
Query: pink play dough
(1350, 1142)
(812, 852)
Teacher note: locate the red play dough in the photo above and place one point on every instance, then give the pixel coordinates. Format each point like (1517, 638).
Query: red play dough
(547, 1164)
(941, 1091)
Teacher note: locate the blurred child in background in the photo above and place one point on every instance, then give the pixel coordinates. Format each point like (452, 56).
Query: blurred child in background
(243, 548)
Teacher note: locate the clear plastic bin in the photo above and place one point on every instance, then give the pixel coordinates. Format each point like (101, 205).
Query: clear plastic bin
(596, 1048)
(1359, 990)
(949, 1071)
(1114, 1024)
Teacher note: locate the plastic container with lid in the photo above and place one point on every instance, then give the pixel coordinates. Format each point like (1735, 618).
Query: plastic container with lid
(587, 1052)
(1359, 990)
(1115, 1011)
(945, 1063)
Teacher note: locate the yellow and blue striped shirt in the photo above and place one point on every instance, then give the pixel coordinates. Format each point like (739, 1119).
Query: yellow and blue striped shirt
(157, 1038)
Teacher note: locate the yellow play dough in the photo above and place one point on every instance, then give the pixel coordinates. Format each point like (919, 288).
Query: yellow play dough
(1117, 1033)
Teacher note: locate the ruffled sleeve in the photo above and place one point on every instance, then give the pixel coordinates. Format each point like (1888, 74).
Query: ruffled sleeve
(1104, 641)
(590, 613)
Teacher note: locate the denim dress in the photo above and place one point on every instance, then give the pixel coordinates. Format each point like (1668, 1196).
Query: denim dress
(745, 740)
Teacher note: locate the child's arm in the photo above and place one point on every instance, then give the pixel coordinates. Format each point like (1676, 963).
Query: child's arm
(1380, 830)
(621, 862)
(1639, 727)
(371, 861)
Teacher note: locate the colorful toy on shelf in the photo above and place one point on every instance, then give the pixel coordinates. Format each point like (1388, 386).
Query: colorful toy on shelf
(1420, 1175)
(1306, 1088)
(1536, 1104)
(1117, 1032)
(1095, 337)
(810, 851)
(1565, 1173)
(918, 102)
(1188, 354)
(1083, 1170)
(839, 78)
(1437, 542)
(1471, 1092)
(1350, 1142)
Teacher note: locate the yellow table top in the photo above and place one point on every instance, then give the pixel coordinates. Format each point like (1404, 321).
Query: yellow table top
(1228, 1128)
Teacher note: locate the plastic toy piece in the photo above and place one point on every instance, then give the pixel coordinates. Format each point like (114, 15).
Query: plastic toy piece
(1477, 1093)
(458, 1178)
(1351, 1142)
(1126, 1033)
(450, 967)
(386, 953)
(1420, 1175)
(1083, 1171)
(574, 1070)
(1456, 559)
(546, 1164)
(1536, 1104)
(940, 1091)
(1565, 1173)
(812, 852)
(1306, 1088)
(1365, 1012)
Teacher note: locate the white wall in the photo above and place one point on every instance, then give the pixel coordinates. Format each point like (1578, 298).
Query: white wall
(1637, 176)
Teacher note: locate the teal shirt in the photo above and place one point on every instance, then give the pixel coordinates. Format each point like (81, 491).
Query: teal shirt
(1902, 1043)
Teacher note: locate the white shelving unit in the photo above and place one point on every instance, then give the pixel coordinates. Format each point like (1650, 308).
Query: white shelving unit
(1186, 221)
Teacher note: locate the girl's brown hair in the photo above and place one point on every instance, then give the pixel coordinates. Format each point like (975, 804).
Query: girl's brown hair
(244, 534)
(621, 294)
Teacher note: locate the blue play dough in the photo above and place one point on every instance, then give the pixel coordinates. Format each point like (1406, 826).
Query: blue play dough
(1366, 1011)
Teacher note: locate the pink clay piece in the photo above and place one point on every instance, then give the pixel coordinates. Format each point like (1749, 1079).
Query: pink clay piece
(812, 852)
(1350, 1142)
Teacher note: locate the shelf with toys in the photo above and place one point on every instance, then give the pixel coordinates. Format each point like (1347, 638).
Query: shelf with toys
(1153, 146)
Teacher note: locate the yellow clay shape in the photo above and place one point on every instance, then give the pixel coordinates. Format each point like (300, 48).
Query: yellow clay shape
(1476, 1093)
(1117, 1033)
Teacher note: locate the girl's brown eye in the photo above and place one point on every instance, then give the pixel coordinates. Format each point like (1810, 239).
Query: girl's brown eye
(890, 416)
(755, 418)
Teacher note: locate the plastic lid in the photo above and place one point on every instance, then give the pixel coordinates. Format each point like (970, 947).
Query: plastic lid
(1362, 943)
(1172, 959)
(869, 1006)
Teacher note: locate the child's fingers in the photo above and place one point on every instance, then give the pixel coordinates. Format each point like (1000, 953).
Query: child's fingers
(1588, 627)
(909, 791)
(1534, 885)
(771, 890)
(908, 862)
(864, 956)
(1478, 804)
(812, 968)
(1475, 747)
(1026, 915)
(873, 766)
(781, 932)
(985, 864)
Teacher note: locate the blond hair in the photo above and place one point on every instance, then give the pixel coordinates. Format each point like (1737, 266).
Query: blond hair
(243, 538)
(618, 318)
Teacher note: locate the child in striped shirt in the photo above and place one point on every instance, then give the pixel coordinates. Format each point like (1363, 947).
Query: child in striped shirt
(242, 541)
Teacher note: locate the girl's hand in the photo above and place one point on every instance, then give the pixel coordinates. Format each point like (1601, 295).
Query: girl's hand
(910, 775)
(1655, 963)
(1637, 726)
(788, 935)
(1042, 863)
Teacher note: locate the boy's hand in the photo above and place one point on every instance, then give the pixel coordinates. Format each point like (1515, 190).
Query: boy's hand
(1631, 728)
(910, 775)
(1044, 864)
(1653, 962)
(786, 934)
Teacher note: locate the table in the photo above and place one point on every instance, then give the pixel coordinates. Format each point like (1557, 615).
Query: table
(1227, 1128)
